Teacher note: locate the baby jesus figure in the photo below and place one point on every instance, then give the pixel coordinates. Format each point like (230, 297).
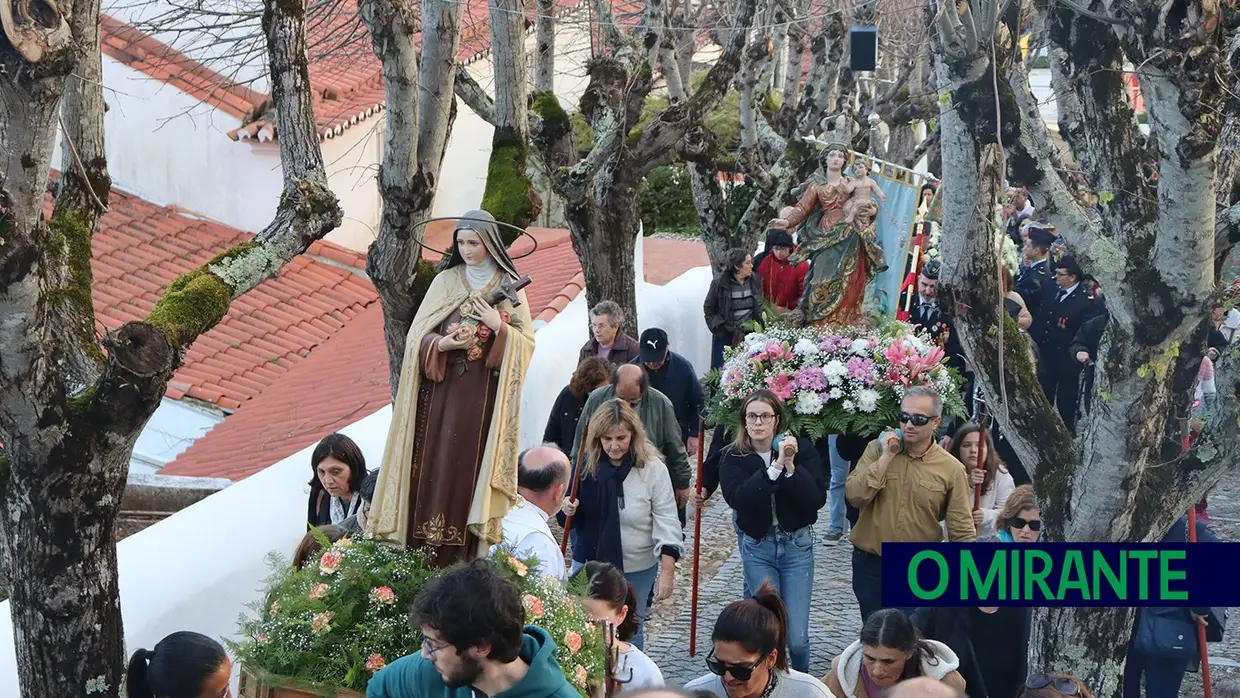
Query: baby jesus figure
(865, 188)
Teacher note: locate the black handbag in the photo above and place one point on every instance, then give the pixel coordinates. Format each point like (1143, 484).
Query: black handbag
(1217, 625)
(1166, 632)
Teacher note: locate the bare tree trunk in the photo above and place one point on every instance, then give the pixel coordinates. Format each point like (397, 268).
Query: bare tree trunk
(600, 188)
(68, 426)
(509, 194)
(418, 122)
(544, 59)
(1148, 248)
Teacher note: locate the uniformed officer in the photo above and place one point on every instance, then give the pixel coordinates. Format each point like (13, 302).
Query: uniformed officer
(925, 313)
(1035, 274)
(1066, 306)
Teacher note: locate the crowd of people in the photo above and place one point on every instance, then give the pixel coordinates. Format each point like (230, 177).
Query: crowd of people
(624, 429)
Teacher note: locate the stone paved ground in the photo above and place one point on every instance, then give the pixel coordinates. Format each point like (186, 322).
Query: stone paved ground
(834, 619)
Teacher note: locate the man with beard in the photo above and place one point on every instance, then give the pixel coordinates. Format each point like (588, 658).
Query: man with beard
(474, 644)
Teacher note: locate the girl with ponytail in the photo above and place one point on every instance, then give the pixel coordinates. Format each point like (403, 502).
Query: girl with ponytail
(182, 665)
(749, 654)
(610, 597)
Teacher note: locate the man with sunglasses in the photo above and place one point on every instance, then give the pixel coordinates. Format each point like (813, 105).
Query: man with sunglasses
(904, 485)
(474, 643)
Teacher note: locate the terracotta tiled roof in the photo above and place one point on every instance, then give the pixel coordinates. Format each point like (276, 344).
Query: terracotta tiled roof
(346, 75)
(148, 55)
(140, 248)
(347, 378)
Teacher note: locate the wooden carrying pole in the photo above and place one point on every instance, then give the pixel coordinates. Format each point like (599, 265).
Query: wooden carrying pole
(697, 540)
(981, 461)
(1185, 443)
(568, 518)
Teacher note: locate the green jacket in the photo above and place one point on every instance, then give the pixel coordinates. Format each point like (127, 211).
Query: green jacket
(415, 677)
(662, 429)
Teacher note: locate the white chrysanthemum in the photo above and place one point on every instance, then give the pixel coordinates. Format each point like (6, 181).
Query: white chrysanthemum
(867, 399)
(920, 344)
(805, 347)
(849, 406)
(835, 371)
(835, 393)
(808, 402)
(861, 347)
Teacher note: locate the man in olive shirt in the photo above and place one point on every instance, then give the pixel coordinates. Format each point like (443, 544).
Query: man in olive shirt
(903, 490)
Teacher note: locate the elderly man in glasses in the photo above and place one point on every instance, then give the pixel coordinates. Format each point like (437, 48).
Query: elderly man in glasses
(901, 487)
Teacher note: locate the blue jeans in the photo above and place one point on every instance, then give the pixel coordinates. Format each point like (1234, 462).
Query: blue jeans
(643, 585)
(786, 560)
(837, 507)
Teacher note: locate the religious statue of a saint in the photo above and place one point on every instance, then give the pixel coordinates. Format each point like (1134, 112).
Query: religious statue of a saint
(822, 202)
(449, 471)
(843, 260)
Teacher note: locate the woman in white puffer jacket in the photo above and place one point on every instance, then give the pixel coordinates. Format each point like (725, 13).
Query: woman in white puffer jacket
(889, 651)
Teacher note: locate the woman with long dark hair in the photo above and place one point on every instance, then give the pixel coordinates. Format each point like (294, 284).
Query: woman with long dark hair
(338, 468)
(890, 650)
(993, 476)
(182, 665)
(610, 597)
(625, 511)
(749, 656)
(776, 484)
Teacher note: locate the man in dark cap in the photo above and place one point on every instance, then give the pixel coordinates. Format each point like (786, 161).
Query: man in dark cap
(783, 280)
(1065, 307)
(1035, 277)
(674, 376)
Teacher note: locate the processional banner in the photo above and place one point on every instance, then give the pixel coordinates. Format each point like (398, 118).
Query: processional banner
(894, 230)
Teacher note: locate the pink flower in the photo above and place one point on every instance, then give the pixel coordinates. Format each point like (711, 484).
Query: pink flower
(580, 674)
(533, 605)
(780, 384)
(809, 378)
(521, 568)
(318, 592)
(383, 595)
(329, 563)
(375, 662)
(261, 639)
(321, 623)
(275, 607)
(573, 641)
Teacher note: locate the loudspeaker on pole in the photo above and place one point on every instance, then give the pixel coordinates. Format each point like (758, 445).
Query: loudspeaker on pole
(863, 48)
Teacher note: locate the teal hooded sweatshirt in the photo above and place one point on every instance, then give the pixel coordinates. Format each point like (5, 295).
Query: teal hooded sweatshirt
(415, 677)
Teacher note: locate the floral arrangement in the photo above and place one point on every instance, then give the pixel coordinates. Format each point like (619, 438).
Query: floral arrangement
(1004, 245)
(345, 616)
(833, 379)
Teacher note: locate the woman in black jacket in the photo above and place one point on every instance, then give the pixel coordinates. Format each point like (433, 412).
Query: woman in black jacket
(776, 484)
(335, 488)
(592, 373)
(733, 300)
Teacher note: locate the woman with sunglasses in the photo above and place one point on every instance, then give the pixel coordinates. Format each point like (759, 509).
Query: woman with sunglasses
(996, 482)
(992, 643)
(748, 658)
(775, 483)
(1020, 521)
(1054, 686)
(610, 597)
(889, 651)
(625, 510)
